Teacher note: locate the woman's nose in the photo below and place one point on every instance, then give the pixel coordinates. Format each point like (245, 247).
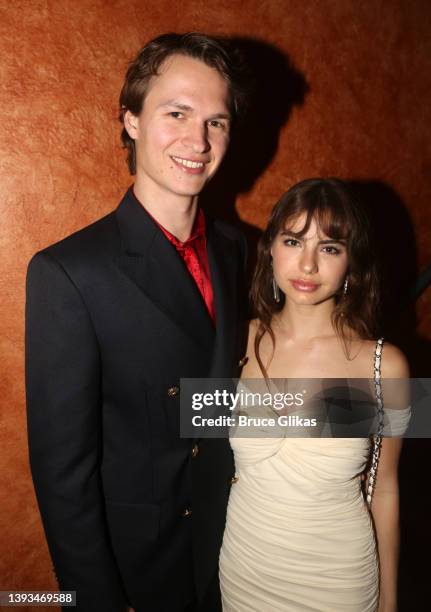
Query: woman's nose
(308, 262)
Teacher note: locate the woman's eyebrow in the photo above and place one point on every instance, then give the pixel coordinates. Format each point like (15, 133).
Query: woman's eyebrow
(333, 240)
(289, 233)
(297, 235)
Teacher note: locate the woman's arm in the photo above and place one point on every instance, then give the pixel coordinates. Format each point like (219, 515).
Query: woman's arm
(385, 512)
(385, 503)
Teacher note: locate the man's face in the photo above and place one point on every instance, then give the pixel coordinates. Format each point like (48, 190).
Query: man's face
(182, 132)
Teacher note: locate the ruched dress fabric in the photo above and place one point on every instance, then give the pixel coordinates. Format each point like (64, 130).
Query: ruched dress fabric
(299, 535)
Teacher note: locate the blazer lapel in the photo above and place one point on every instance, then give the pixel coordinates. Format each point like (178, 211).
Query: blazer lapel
(223, 267)
(153, 264)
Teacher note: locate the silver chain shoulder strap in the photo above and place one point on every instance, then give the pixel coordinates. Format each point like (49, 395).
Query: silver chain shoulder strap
(377, 439)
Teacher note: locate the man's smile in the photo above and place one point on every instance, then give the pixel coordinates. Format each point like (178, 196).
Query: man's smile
(189, 164)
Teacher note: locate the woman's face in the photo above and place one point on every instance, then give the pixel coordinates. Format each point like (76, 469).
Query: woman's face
(310, 269)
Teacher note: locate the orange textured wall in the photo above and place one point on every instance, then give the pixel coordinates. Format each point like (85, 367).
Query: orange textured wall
(364, 113)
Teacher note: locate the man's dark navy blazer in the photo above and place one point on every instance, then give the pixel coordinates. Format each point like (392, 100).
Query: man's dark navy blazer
(113, 321)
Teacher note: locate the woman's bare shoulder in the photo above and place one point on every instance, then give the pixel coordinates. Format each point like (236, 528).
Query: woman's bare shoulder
(253, 327)
(394, 362)
(251, 369)
(251, 334)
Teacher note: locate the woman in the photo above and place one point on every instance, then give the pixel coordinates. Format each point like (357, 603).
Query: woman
(299, 533)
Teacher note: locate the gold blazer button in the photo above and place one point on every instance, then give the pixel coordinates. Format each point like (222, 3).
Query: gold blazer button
(243, 361)
(186, 513)
(173, 391)
(195, 450)
(234, 480)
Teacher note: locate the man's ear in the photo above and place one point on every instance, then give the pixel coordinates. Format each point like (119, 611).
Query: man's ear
(131, 124)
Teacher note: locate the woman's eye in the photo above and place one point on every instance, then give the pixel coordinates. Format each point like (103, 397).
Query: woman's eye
(291, 242)
(331, 250)
(176, 114)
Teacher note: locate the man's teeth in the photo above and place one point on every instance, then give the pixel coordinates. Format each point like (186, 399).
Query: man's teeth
(188, 163)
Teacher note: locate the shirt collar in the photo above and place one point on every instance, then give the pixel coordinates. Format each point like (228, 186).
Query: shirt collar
(198, 229)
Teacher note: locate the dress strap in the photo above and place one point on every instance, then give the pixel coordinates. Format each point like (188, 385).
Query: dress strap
(377, 439)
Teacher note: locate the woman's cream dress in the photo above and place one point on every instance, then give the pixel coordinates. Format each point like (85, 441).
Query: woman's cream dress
(299, 535)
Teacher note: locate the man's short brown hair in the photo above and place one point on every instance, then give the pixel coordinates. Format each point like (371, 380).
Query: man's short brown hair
(218, 53)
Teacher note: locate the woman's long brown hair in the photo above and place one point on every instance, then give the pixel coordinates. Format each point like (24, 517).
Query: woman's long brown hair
(332, 203)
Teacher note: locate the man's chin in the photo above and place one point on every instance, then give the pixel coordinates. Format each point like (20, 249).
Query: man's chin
(192, 192)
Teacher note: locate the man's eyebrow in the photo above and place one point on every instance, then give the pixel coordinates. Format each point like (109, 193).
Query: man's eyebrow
(188, 108)
(221, 116)
(179, 105)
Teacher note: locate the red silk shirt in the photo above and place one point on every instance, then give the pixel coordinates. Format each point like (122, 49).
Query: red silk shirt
(194, 254)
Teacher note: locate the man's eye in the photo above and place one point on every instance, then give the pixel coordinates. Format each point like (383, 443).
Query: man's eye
(291, 242)
(176, 114)
(217, 124)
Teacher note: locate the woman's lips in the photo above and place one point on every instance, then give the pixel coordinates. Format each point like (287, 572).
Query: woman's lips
(301, 285)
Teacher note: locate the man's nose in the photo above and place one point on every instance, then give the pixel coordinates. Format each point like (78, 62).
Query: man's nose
(196, 138)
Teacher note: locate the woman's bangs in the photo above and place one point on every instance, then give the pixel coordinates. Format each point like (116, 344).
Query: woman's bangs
(291, 217)
(333, 222)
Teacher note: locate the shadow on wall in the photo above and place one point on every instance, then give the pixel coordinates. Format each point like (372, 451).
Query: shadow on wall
(397, 257)
(398, 270)
(277, 87)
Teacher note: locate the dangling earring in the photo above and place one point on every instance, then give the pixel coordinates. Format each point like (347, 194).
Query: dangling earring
(345, 286)
(275, 290)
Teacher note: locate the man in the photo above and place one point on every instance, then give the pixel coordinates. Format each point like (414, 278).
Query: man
(117, 314)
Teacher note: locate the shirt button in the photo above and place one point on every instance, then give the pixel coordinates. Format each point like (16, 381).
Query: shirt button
(186, 513)
(243, 361)
(195, 450)
(173, 391)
